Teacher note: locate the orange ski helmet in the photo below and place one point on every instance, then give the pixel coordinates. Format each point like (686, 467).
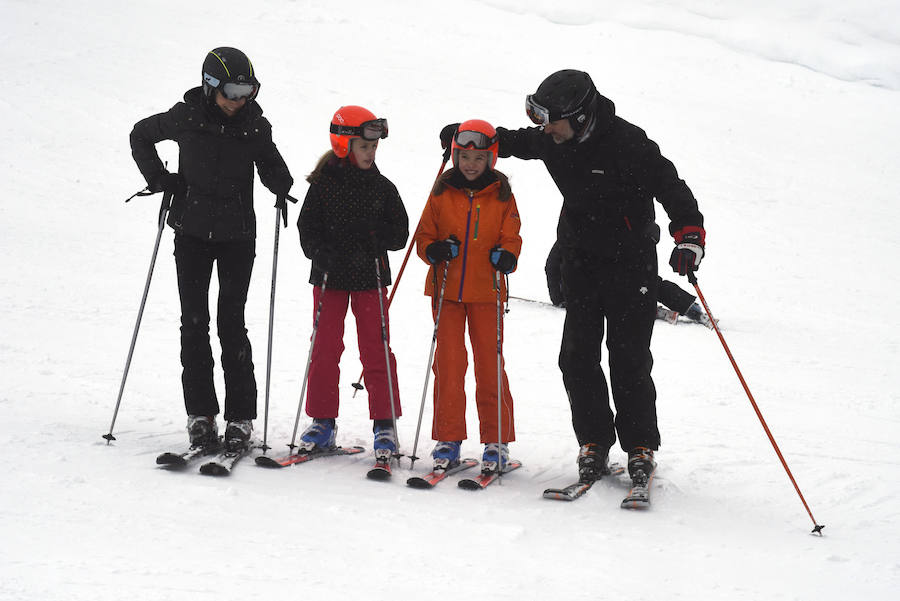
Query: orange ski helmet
(355, 122)
(476, 134)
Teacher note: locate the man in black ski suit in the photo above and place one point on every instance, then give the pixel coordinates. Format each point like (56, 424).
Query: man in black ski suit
(609, 173)
(221, 134)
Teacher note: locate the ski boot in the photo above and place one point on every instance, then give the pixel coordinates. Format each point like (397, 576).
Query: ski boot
(495, 457)
(593, 462)
(641, 465)
(695, 313)
(237, 434)
(202, 431)
(445, 455)
(385, 444)
(319, 436)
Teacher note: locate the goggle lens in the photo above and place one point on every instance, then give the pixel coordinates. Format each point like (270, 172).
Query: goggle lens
(538, 114)
(376, 129)
(237, 91)
(474, 139)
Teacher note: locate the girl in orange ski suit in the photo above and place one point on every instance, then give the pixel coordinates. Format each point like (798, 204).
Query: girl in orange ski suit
(482, 215)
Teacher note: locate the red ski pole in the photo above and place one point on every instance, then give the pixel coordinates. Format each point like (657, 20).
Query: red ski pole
(412, 242)
(693, 280)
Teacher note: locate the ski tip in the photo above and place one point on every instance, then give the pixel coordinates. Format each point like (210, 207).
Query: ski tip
(169, 459)
(379, 473)
(556, 495)
(213, 469)
(469, 484)
(264, 461)
(417, 482)
(636, 504)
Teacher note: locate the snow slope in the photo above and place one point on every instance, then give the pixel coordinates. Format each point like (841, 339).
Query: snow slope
(782, 117)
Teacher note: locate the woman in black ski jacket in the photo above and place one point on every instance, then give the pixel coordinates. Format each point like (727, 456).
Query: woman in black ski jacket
(221, 134)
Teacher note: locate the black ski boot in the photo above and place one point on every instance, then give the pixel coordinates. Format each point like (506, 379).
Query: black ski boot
(237, 434)
(641, 465)
(593, 462)
(202, 431)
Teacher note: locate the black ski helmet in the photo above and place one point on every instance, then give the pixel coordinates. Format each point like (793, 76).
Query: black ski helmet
(567, 94)
(231, 72)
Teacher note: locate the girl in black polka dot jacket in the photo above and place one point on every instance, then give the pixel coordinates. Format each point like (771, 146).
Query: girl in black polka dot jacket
(351, 216)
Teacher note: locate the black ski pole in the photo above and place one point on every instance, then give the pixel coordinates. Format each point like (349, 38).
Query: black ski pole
(163, 210)
(817, 529)
(145, 191)
(437, 321)
(312, 343)
(280, 210)
(387, 354)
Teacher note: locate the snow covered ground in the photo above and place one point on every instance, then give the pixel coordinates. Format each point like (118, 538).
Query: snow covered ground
(781, 116)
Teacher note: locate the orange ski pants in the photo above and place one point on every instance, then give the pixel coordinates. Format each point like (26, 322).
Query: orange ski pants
(451, 362)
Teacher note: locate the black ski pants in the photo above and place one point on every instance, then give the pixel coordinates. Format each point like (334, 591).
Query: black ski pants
(194, 260)
(620, 295)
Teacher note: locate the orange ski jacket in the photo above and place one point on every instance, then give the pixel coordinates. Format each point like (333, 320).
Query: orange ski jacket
(481, 221)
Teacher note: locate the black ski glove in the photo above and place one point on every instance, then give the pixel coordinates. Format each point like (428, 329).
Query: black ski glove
(442, 250)
(323, 259)
(281, 205)
(689, 249)
(502, 260)
(447, 134)
(165, 182)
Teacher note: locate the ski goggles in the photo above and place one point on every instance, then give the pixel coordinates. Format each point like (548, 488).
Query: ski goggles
(474, 139)
(237, 91)
(232, 90)
(538, 114)
(375, 129)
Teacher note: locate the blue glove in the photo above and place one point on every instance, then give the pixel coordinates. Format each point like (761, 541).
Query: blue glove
(503, 260)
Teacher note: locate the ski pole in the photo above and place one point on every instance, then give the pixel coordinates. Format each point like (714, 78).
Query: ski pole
(312, 343)
(693, 280)
(163, 210)
(437, 321)
(280, 211)
(357, 386)
(265, 446)
(387, 354)
(499, 380)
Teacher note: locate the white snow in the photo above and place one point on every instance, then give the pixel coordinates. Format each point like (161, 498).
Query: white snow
(782, 117)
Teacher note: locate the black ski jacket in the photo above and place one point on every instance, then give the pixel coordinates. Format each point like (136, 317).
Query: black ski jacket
(608, 183)
(354, 215)
(215, 161)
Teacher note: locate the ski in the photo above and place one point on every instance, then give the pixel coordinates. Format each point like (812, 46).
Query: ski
(296, 458)
(430, 479)
(639, 495)
(662, 313)
(577, 489)
(485, 479)
(224, 462)
(177, 461)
